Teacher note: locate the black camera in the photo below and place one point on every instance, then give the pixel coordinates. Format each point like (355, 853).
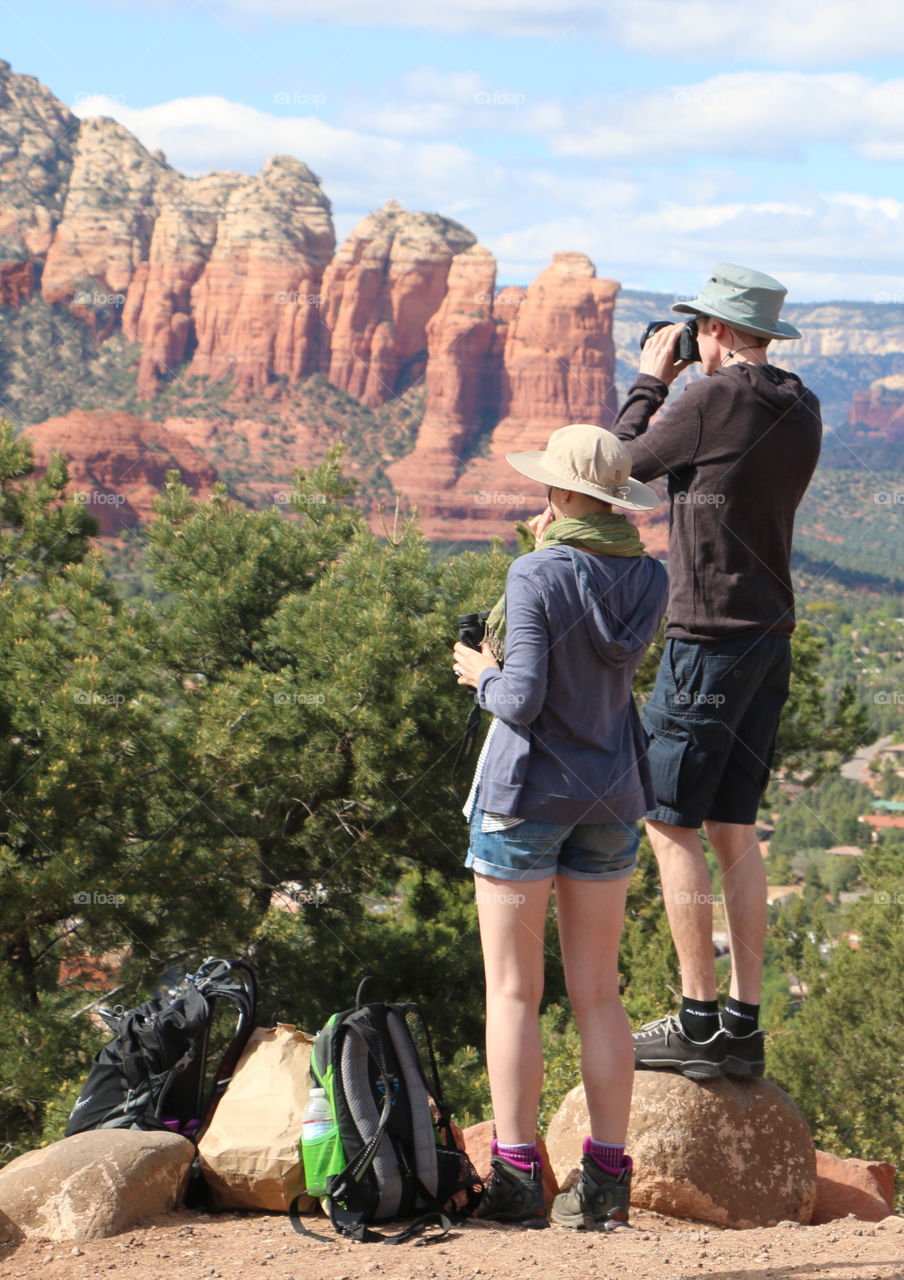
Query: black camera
(472, 628)
(687, 348)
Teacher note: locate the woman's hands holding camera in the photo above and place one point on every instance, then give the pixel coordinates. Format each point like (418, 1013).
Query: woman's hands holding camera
(469, 663)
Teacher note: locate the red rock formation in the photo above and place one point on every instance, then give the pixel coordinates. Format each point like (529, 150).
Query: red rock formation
(256, 306)
(549, 360)
(881, 409)
(112, 201)
(559, 367)
(157, 311)
(118, 463)
(462, 380)
(37, 134)
(380, 290)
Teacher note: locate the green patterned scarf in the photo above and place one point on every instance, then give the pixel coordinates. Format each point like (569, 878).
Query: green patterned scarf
(608, 533)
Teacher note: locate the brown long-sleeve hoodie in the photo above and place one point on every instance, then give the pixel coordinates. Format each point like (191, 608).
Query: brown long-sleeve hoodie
(739, 449)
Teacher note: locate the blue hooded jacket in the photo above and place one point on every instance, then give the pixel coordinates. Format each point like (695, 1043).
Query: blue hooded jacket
(569, 746)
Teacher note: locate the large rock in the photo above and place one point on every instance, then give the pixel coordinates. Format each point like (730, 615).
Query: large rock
(865, 1188)
(558, 367)
(735, 1154)
(256, 306)
(478, 1140)
(532, 361)
(881, 408)
(108, 218)
(379, 292)
(93, 1184)
(157, 312)
(461, 383)
(37, 138)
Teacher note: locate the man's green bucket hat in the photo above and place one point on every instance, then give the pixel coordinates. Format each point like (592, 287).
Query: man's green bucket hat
(745, 299)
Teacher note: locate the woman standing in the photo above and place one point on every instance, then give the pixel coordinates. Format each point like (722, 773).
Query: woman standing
(559, 786)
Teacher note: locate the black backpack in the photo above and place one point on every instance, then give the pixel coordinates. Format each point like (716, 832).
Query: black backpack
(391, 1152)
(154, 1072)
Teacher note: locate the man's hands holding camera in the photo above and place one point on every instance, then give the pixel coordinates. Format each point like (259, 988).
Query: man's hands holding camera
(659, 353)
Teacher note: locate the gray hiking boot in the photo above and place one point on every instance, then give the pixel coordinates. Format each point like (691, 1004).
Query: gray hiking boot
(662, 1045)
(513, 1195)
(597, 1199)
(745, 1056)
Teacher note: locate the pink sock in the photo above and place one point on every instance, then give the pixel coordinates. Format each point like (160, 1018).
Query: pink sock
(522, 1156)
(609, 1156)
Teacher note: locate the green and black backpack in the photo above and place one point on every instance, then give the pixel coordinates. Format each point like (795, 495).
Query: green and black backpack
(390, 1151)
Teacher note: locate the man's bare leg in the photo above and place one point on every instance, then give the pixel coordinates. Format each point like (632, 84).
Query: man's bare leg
(740, 861)
(687, 892)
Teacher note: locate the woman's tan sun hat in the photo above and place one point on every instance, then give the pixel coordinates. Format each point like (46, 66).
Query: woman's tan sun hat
(749, 300)
(587, 459)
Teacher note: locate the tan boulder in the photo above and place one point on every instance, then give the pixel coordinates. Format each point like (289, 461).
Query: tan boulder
(478, 1140)
(865, 1188)
(735, 1154)
(93, 1184)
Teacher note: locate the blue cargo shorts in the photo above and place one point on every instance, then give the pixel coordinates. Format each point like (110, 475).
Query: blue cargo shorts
(712, 719)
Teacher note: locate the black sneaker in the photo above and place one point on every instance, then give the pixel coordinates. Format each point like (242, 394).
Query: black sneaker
(597, 1199)
(662, 1045)
(745, 1056)
(513, 1195)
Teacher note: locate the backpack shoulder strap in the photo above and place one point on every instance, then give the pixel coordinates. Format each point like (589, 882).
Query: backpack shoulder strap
(353, 1227)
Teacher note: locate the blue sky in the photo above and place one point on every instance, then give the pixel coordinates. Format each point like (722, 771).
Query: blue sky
(657, 136)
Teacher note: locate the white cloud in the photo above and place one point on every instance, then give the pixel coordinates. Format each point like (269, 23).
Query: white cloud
(747, 114)
(517, 18)
(774, 32)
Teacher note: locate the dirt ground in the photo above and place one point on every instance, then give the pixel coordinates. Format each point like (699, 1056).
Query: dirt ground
(189, 1245)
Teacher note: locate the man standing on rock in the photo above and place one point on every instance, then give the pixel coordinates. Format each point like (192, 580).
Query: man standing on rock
(739, 447)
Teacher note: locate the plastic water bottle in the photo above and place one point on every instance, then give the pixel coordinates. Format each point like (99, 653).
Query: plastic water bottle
(317, 1117)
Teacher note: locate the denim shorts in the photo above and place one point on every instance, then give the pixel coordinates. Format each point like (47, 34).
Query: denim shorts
(539, 850)
(712, 719)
